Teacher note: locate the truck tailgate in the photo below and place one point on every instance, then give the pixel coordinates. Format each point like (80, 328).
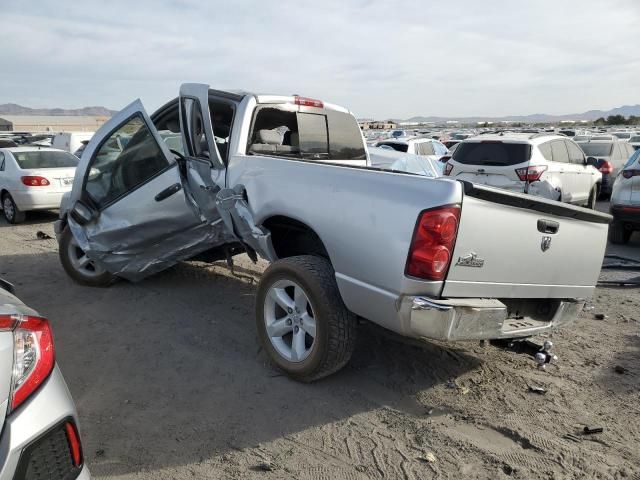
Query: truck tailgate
(512, 245)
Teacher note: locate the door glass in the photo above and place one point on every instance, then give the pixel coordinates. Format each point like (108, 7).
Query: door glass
(194, 125)
(128, 158)
(545, 149)
(559, 152)
(575, 154)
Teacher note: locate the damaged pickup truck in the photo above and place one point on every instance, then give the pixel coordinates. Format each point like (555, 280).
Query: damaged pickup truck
(213, 174)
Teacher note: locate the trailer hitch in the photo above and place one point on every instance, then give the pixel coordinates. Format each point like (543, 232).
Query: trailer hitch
(541, 353)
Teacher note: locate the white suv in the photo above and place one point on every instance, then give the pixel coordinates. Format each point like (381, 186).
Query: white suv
(547, 165)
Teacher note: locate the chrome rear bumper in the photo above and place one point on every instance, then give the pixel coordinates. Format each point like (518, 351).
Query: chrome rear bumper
(479, 319)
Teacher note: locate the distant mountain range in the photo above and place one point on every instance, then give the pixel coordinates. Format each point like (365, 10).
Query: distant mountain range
(625, 111)
(14, 109)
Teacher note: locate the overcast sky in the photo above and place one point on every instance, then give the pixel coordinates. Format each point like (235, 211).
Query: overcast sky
(378, 58)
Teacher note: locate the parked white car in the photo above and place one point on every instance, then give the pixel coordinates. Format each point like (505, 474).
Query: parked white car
(70, 141)
(625, 201)
(546, 165)
(33, 178)
(416, 146)
(635, 142)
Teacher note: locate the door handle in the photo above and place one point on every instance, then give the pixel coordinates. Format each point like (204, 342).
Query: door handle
(548, 226)
(167, 192)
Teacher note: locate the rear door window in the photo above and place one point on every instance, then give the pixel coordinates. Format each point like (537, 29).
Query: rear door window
(426, 148)
(559, 151)
(575, 154)
(492, 153)
(545, 149)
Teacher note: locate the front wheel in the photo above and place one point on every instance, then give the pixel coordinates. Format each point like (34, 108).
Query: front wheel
(301, 319)
(78, 266)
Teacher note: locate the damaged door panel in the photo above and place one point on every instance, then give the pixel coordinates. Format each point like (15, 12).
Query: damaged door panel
(215, 201)
(234, 209)
(145, 215)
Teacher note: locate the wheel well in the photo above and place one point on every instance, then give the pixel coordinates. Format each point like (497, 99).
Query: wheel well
(291, 237)
(2, 192)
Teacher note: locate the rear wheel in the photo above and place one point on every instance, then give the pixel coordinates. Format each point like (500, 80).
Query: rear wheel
(301, 319)
(78, 266)
(11, 211)
(618, 233)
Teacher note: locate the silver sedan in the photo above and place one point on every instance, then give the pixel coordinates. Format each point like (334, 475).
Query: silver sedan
(39, 435)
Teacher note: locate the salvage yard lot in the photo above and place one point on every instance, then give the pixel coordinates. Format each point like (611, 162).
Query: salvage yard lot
(170, 382)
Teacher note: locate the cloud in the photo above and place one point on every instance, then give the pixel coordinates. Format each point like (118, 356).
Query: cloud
(379, 58)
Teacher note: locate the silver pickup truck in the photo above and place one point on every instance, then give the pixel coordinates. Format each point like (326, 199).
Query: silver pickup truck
(213, 174)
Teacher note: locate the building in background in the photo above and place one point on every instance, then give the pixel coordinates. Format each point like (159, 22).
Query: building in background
(51, 123)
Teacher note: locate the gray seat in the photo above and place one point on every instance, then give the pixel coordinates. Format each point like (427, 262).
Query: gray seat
(270, 142)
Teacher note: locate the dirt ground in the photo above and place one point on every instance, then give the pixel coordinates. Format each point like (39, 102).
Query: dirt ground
(171, 383)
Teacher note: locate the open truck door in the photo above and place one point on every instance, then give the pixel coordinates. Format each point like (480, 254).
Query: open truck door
(137, 207)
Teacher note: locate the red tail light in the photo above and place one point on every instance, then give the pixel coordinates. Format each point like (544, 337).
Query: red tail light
(606, 167)
(530, 174)
(35, 181)
(34, 355)
(308, 102)
(447, 169)
(432, 244)
(630, 173)
(74, 443)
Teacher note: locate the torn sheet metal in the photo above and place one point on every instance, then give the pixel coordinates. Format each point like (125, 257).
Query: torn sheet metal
(137, 263)
(234, 209)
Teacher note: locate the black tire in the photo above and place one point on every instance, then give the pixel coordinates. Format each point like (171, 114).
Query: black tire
(96, 280)
(593, 198)
(335, 325)
(13, 215)
(618, 234)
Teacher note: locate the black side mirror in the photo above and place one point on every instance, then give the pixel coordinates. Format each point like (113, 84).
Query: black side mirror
(591, 161)
(82, 213)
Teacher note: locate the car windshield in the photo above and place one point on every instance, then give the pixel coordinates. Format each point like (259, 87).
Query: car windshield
(45, 159)
(494, 153)
(399, 147)
(596, 149)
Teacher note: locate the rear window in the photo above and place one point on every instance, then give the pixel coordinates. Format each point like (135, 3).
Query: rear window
(398, 147)
(282, 130)
(45, 159)
(596, 149)
(492, 153)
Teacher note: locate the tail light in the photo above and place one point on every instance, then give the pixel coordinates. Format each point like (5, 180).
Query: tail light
(447, 169)
(35, 181)
(308, 102)
(606, 167)
(432, 243)
(33, 357)
(531, 174)
(74, 443)
(630, 173)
